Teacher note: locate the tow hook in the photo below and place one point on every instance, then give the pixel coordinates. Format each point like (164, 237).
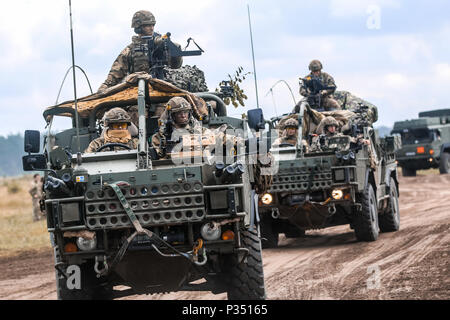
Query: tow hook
(197, 251)
(99, 260)
(275, 213)
(332, 209)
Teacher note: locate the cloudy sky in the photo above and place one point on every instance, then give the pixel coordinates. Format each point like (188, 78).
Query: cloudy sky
(393, 53)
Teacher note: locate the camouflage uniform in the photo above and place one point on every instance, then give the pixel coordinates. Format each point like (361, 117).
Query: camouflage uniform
(323, 132)
(327, 100)
(285, 138)
(175, 105)
(132, 59)
(36, 193)
(116, 115)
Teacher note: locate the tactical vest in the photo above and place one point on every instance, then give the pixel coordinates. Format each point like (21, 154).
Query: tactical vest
(139, 55)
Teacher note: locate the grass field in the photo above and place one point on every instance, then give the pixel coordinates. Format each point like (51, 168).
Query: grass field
(18, 232)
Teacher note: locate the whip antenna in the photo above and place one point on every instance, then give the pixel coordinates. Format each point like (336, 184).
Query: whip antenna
(253, 56)
(74, 78)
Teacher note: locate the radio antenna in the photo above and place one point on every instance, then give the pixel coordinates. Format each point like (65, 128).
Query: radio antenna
(74, 79)
(287, 85)
(253, 56)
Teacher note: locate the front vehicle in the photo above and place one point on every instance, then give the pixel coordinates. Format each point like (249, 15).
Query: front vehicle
(128, 218)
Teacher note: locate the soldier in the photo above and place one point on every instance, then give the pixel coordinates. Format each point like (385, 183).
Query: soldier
(328, 126)
(117, 129)
(133, 59)
(289, 134)
(36, 193)
(178, 115)
(326, 96)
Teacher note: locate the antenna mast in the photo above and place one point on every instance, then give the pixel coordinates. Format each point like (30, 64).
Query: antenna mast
(253, 56)
(74, 78)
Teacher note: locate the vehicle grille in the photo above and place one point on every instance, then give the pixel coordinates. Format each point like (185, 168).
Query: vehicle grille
(152, 205)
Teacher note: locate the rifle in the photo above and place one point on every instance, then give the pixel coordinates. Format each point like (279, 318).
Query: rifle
(159, 50)
(315, 85)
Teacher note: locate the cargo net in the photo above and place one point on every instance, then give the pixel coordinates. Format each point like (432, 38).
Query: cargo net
(356, 114)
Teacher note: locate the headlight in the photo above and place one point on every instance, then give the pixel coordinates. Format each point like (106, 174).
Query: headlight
(337, 194)
(86, 245)
(211, 231)
(267, 198)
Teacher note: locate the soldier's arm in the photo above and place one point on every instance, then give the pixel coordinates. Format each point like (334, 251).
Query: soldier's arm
(329, 82)
(93, 146)
(119, 70)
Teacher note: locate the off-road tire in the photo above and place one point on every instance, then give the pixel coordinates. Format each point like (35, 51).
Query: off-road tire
(444, 163)
(91, 288)
(389, 221)
(408, 172)
(245, 280)
(269, 236)
(366, 220)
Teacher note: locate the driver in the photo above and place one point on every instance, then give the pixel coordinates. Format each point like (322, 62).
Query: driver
(289, 135)
(117, 129)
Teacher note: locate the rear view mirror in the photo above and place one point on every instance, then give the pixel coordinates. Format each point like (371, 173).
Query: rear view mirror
(256, 119)
(32, 141)
(34, 162)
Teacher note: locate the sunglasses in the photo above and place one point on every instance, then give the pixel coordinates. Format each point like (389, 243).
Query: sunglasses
(119, 126)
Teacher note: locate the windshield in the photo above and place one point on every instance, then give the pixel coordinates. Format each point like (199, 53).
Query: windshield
(415, 136)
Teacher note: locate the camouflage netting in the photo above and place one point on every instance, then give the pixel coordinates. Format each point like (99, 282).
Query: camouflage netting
(352, 103)
(354, 110)
(189, 78)
(126, 93)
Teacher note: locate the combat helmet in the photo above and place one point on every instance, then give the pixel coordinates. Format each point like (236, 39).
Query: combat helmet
(142, 18)
(290, 123)
(315, 65)
(328, 122)
(178, 104)
(116, 115)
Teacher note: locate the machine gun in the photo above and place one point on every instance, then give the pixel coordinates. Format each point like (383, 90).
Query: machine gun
(160, 49)
(315, 85)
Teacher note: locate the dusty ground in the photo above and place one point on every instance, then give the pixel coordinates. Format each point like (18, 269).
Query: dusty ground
(413, 263)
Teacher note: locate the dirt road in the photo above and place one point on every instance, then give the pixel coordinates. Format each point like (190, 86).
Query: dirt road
(413, 263)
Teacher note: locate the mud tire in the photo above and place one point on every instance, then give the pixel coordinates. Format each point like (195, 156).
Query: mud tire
(366, 220)
(444, 163)
(389, 221)
(246, 279)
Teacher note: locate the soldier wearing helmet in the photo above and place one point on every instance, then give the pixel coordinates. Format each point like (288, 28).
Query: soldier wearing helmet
(326, 96)
(176, 119)
(118, 128)
(289, 134)
(133, 59)
(328, 126)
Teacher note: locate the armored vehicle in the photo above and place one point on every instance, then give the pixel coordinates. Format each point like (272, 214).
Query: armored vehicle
(323, 181)
(425, 142)
(128, 218)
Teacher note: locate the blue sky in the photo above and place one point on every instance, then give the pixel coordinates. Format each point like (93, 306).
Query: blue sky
(403, 66)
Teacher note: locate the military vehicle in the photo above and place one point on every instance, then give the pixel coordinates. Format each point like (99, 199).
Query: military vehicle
(425, 142)
(351, 178)
(128, 218)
